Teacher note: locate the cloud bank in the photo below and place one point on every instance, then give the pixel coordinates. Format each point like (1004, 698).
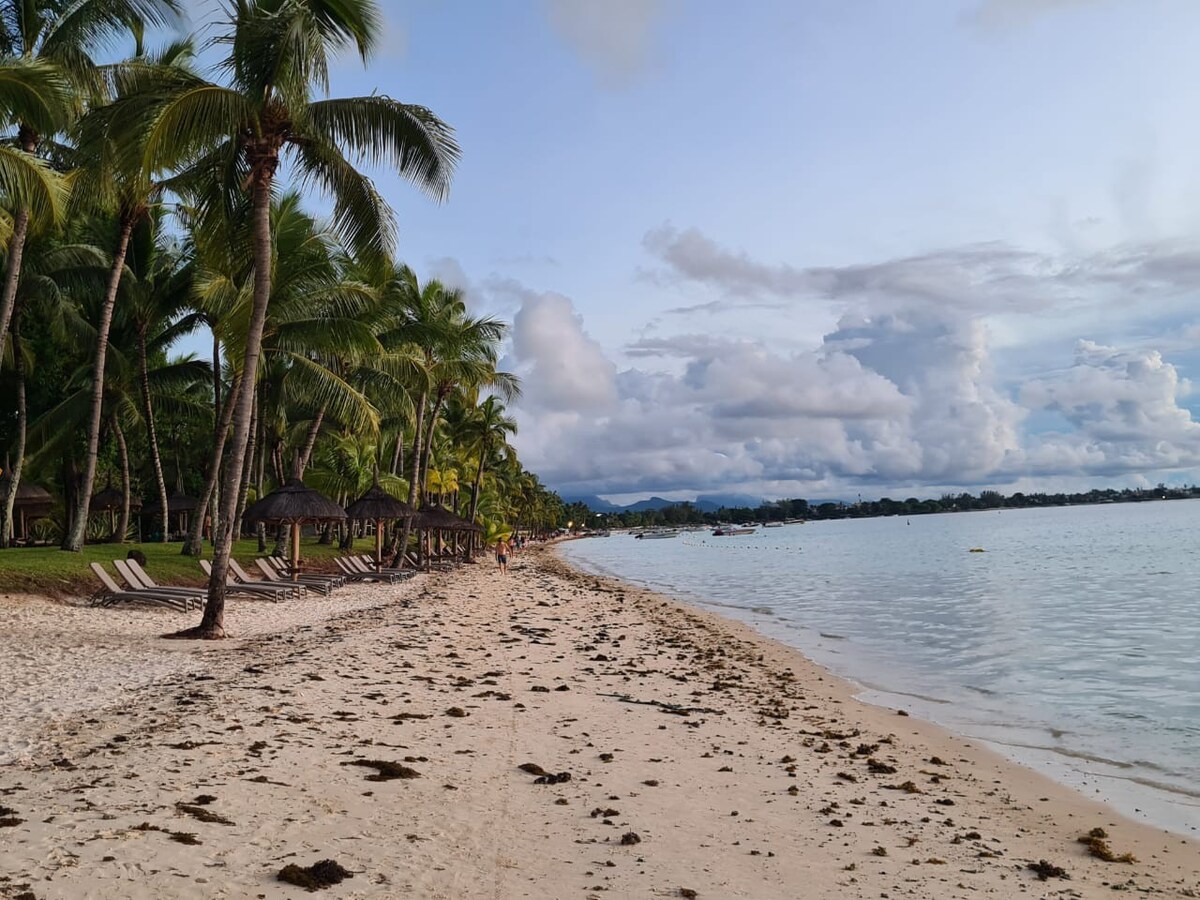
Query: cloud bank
(901, 392)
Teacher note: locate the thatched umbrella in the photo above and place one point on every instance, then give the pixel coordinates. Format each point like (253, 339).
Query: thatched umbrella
(110, 500)
(294, 504)
(32, 502)
(438, 518)
(177, 503)
(381, 506)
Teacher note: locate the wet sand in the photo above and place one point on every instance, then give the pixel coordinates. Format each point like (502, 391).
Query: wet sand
(672, 752)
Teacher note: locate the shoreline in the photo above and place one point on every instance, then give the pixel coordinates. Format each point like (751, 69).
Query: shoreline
(739, 767)
(1137, 797)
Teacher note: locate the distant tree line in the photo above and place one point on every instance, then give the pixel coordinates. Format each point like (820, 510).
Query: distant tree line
(780, 510)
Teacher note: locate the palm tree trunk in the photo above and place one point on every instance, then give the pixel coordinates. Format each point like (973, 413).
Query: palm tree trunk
(14, 478)
(398, 561)
(398, 453)
(261, 529)
(74, 538)
(152, 434)
(248, 467)
(123, 453)
(212, 624)
(16, 250)
(194, 544)
(310, 440)
(475, 499)
(428, 452)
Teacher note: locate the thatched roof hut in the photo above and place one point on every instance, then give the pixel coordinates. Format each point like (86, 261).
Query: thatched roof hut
(441, 519)
(378, 505)
(175, 503)
(111, 498)
(294, 504)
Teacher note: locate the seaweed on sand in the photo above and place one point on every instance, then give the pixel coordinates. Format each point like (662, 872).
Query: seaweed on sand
(385, 770)
(1095, 841)
(319, 875)
(1046, 870)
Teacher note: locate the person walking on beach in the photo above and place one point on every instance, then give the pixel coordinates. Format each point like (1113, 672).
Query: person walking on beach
(503, 549)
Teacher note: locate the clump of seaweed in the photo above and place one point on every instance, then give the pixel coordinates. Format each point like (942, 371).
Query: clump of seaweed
(385, 770)
(880, 768)
(319, 875)
(629, 838)
(908, 787)
(879, 851)
(179, 837)
(544, 777)
(204, 815)
(1046, 870)
(1095, 841)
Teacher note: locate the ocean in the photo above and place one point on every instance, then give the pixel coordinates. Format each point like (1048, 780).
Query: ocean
(1071, 644)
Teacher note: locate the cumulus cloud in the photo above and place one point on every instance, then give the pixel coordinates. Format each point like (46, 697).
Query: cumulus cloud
(564, 370)
(900, 393)
(1123, 406)
(616, 37)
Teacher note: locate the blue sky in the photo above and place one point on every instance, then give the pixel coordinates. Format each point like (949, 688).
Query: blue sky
(821, 248)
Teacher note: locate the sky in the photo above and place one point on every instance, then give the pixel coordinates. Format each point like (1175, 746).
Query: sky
(824, 248)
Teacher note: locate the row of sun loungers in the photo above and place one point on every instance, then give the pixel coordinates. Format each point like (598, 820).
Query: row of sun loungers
(277, 582)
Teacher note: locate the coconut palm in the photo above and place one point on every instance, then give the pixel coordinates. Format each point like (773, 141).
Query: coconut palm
(110, 177)
(485, 429)
(278, 52)
(46, 75)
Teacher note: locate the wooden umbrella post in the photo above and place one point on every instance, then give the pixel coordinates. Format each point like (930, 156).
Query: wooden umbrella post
(379, 543)
(296, 549)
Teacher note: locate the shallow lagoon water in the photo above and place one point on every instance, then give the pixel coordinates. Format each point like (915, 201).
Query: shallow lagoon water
(1071, 644)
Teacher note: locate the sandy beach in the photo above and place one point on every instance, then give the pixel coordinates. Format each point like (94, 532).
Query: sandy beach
(667, 753)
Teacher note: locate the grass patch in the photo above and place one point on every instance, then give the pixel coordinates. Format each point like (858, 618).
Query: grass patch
(55, 573)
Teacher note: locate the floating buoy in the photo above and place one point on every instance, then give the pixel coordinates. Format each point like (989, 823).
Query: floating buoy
(975, 550)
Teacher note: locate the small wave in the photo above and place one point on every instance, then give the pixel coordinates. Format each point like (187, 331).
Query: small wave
(832, 636)
(985, 691)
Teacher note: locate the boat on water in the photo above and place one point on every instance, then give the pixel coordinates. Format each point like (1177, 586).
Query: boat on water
(728, 532)
(772, 524)
(656, 535)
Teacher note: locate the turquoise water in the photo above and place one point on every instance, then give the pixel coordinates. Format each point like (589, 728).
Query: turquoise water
(1071, 644)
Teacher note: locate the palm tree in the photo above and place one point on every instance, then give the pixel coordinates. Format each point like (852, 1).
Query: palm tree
(278, 52)
(111, 177)
(485, 430)
(46, 75)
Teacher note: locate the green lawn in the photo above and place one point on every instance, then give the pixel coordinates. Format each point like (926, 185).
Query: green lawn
(50, 571)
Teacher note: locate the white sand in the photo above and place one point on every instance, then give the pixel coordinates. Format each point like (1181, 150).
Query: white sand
(758, 791)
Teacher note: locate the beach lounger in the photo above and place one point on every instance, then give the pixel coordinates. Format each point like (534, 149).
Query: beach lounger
(283, 567)
(113, 594)
(353, 574)
(366, 564)
(316, 583)
(135, 576)
(270, 592)
(297, 589)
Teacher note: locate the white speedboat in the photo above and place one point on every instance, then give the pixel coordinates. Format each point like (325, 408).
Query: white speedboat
(656, 535)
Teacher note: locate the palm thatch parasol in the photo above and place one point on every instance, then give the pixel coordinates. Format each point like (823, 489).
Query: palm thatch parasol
(32, 502)
(381, 506)
(110, 498)
(441, 519)
(294, 504)
(176, 503)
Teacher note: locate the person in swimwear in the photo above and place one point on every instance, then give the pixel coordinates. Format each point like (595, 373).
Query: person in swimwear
(503, 549)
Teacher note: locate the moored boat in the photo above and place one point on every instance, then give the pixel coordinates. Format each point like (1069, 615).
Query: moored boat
(728, 532)
(656, 535)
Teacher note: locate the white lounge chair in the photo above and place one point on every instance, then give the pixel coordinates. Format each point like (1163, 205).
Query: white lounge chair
(270, 592)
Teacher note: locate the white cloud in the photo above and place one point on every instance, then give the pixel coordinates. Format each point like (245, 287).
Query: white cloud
(616, 37)
(900, 395)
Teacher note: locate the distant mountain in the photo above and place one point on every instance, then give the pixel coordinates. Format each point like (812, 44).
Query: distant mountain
(592, 502)
(652, 503)
(704, 503)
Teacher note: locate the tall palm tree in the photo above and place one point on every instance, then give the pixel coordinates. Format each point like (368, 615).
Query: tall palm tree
(111, 178)
(46, 46)
(485, 430)
(278, 52)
